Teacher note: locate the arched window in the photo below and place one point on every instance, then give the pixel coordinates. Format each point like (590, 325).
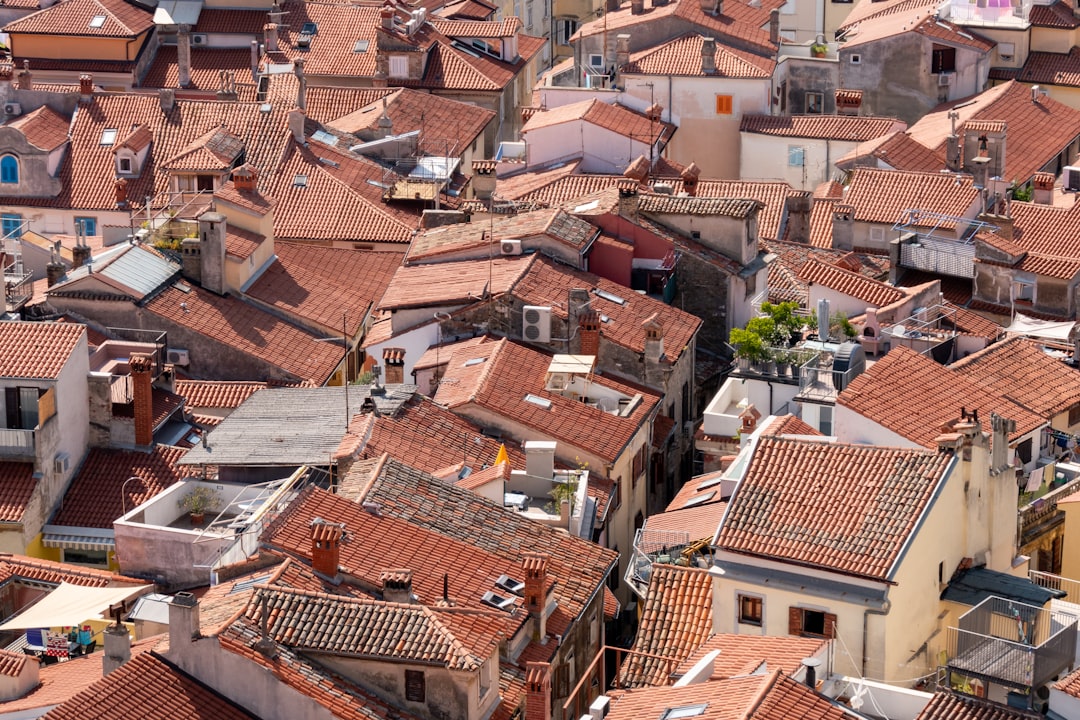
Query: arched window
(9, 169)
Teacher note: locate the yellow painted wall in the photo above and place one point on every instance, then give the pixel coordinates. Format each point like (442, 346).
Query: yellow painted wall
(36, 549)
(66, 47)
(1070, 552)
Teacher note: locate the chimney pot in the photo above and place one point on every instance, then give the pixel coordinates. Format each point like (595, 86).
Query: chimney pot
(86, 88)
(167, 100)
(270, 31)
(326, 540)
(396, 586)
(811, 665)
(537, 691)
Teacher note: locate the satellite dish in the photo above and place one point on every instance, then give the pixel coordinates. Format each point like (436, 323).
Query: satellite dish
(899, 331)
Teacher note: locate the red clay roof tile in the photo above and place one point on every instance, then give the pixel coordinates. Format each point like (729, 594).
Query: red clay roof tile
(37, 350)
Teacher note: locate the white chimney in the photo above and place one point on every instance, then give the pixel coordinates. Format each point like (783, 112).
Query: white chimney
(540, 458)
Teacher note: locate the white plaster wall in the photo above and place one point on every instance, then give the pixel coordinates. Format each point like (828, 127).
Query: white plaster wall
(602, 151)
(414, 342)
(765, 157)
(851, 427)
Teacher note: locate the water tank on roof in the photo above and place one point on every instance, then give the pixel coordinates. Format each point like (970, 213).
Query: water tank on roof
(848, 363)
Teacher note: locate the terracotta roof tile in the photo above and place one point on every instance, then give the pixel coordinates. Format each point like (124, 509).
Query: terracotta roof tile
(47, 571)
(1057, 15)
(846, 508)
(612, 117)
(11, 663)
(890, 390)
(452, 282)
(241, 243)
(73, 17)
(1019, 370)
(250, 330)
(36, 350)
(100, 493)
(17, 483)
(951, 706)
(142, 682)
(1070, 684)
(43, 128)
(553, 224)
(1048, 235)
(165, 404)
(675, 620)
(218, 394)
(902, 152)
(845, 282)
(850, 128)
(747, 654)
(206, 64)
(508, 27)
(682, 56)
(882, 196)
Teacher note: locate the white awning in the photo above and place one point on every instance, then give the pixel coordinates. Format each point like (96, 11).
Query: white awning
(77, 541)
(1033, 327)
(70, 605)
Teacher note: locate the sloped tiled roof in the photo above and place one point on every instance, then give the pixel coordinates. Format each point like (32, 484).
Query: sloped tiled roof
(36, 350)
(72, 17)
(1019, 370)
(216, 393)
(1056, 15)
(546, 281)
(882, 196)
(321, 284)
(43, 128)
(147, 681)
(555, 224)
(100, 493)
(1070, 684)
(452, 283)
(1048, 236)
(951, 706)
(610, 116)
(392, 631)
(845, 508)
(850, 128)
(676, 619)
(47, 571)
(250, 330)
(900, 151)
(860, 287)
(747, 654)
(11, 663)
(682, 56)
(903, 393)
(514, 371)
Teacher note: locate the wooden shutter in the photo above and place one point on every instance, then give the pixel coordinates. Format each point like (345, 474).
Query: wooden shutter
(414, 685)
(11, 404)
(830, 625)
(794, 621)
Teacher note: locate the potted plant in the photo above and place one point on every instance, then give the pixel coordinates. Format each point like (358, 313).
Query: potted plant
(749, 347)
(783, 362)
(818, 49)
(197, 501)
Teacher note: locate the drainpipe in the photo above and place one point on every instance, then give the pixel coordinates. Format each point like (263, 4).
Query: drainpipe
(883, 611)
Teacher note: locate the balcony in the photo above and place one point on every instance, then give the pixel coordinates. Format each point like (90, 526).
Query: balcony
(1070, 587)
(1012, 644)
(18, 286)
(1039, 505)
(820, 382)
(16, 443)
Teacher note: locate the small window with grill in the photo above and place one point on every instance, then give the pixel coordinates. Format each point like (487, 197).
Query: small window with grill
(415, 685)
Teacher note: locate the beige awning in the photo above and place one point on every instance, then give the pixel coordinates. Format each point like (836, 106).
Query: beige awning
(70, 605)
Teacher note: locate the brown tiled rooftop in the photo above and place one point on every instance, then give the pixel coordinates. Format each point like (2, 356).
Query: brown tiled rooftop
(848, 509)
(1019, 370)
(11, 663)
(682, 56)
(101, 493)
(1047, 235)
(873, 292)
(747, 654)
(952, 706)
(902, 392)
(72, 17)
(47, 571)
(36, 350)
(17, 483)
(850, 128)
(612, 117)
(882, 196)
(43, 128)
(1056, 15)
(452, 282)
(216, 393)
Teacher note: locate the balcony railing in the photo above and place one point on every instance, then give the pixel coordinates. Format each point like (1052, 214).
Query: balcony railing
(1011, 643)
(1034, 517)
(1070, 587)
(16, 443)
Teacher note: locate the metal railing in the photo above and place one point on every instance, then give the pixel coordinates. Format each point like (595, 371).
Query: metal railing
(1070, 587)
(16, 442)
(1037, 512)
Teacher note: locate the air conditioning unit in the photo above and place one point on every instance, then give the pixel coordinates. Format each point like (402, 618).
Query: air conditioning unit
(177, 356)
(12, 108)
(510, 247)
(198, 39)
(61, 463)
(944, 79)
(1071, 178)
(536, 323)
(600, 707)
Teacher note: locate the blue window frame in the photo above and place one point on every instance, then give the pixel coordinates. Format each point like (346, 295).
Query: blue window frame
(9, 169)
(10, 224)
(89, 225)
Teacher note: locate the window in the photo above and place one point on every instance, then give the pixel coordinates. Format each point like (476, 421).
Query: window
(204, 182)
(616, 494)
(97, 21)
(361, 46)
(87, 557)
(750, 610)
(877, 234)
(815, 101)
(1024, 290)
(683, 711)
(414, 685)
(724, 105)
(1006, 51)
(596, 60)
(108, 136)
(856, 59)
(9, 169)
(88, 225)
(825, 420)
(1074, 415)
(21, 406)
(564, 30)
(485, 679)
(528, 14)
(940, 572)
(125, 165)
(399, 66)
(594, 630)
(942, 59)
(812, 623)
(1023, 451)
(12, 224)
(795, 155)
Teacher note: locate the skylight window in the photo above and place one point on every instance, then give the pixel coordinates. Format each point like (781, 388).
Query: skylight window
(509, 584)
(698, 500)
(710, 483)
(361, 46)
(539, 401)
(310, 28)
(97, 21)
(473, 361)
(683, 711)
(585, 207)
(610, 297)
(299, 181)
(497, 601)
(324, 137)
(108, 136)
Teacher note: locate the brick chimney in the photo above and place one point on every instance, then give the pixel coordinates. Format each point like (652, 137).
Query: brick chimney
(120, 189)
(396, 586)
(538, 691)
(622, 51)
(1043, 184)
(183, 55)
(749, 418)
(799, 206)
(80, 255)
(142, 379)
(86, 88)
(708, 56)
(270, 33)
(54, 271)
(394, 361)
(386, 16)
(712, 7)
(483, 179)
(589, 332)
(774, 26)
(689, 177)
(628, 197)
(535, 566)
(326, 540)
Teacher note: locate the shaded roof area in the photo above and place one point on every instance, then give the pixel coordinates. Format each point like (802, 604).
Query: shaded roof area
(748, 654)
(971, 586)
(1020, 370)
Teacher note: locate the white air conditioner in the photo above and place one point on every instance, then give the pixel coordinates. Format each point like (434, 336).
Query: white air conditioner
(12, 108)
(198, 39)
(1071, 178)
(944, 79)
(61, 463)
(510, 247)
(177, 356)
(536, 323)
(600, 707)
